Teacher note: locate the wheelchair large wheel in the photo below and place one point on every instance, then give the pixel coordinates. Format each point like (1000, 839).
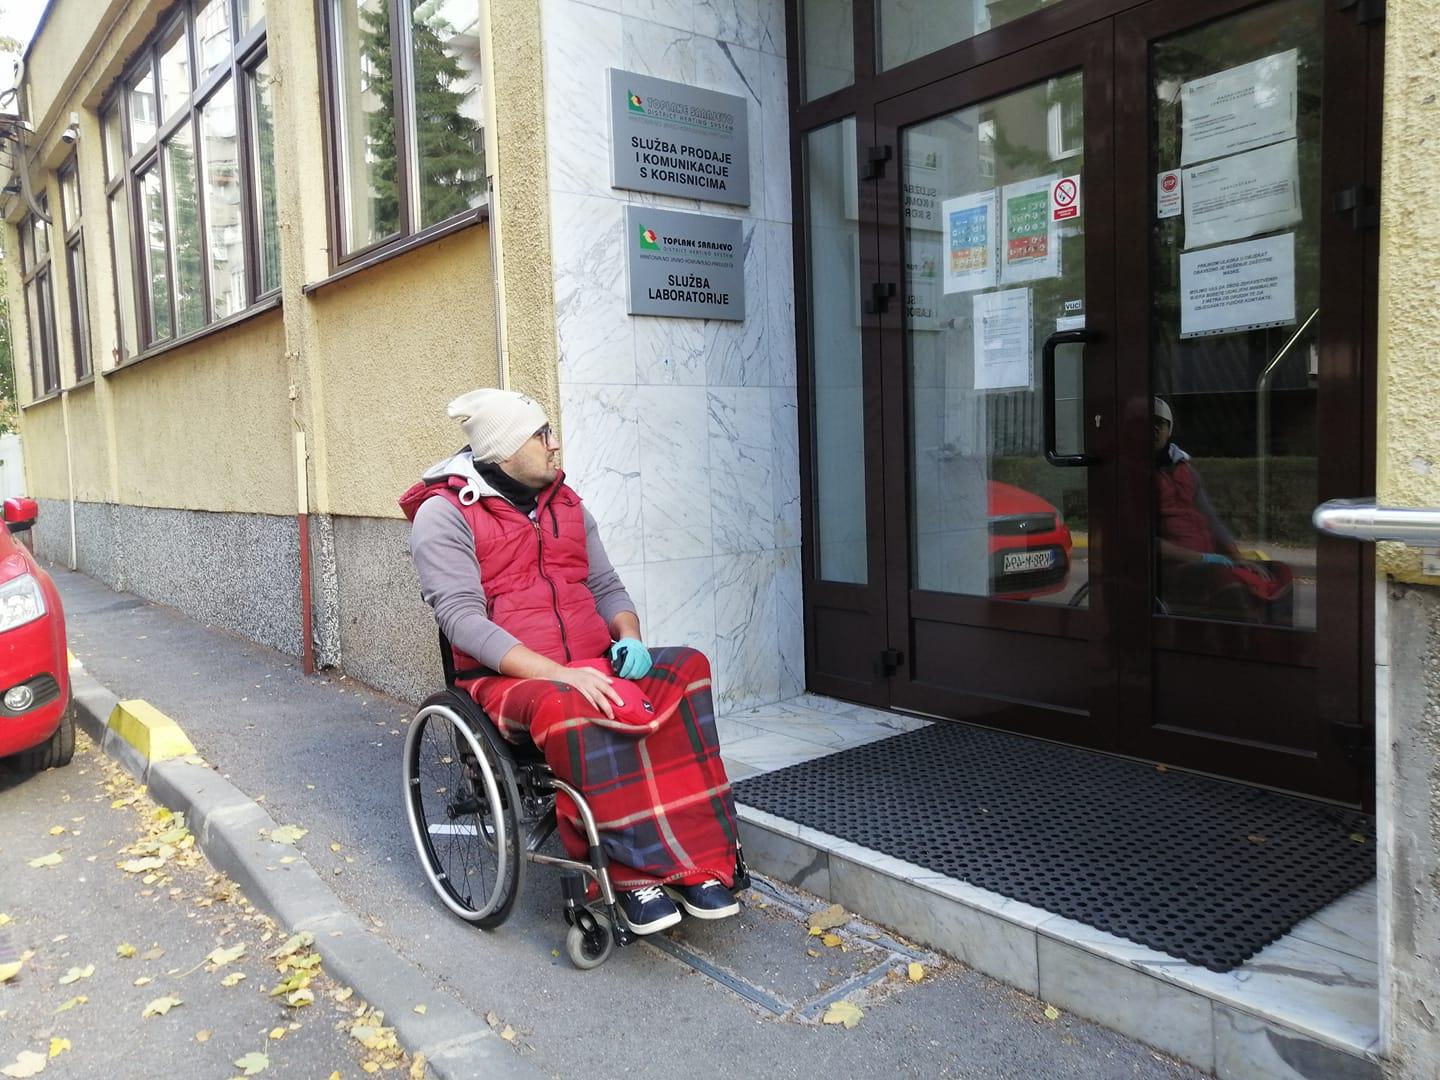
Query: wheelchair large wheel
(461, 800)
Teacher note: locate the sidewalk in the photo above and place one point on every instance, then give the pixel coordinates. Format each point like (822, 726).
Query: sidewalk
(323, 753)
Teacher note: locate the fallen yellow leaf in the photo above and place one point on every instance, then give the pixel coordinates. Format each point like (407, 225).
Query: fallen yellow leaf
(9, 970)
(831, 940)
(815, 931)
(1052, 1013)
(811, 952)
(370, 1066)
(29, 1063)
(843, 1012)
(203, 1035)
(143, 980)
(160, 1006)
(277, 1033)
(75, 974)
(343, 995)
(125, 950)
(417, 1067)
(287, 834)
(53, 859)
(78, 999)
(420, 1009)
(252, 1063)
(233, 978)
(335, 847)
(139, 866)
(508, 1034)
(4, 918)
(58, 1046)
(57, 830)
(829, 918)
(221, 957)
(300, 998)
(916, 972)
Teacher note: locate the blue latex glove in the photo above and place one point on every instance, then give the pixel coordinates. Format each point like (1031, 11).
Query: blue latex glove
(1214, 558)
(630, 659)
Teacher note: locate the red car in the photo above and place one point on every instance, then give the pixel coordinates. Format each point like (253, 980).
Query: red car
(37, 726)
(1029, 545)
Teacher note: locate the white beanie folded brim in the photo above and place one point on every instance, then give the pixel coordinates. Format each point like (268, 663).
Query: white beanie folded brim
(497, 422)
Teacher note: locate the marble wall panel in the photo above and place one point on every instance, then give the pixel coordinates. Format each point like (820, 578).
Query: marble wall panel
(747, 661)
(592, 326)
(660, 51)
(581, 43)
(742, 513)
(785, 467)
(675, 471)
(602, 463)
(680, 603)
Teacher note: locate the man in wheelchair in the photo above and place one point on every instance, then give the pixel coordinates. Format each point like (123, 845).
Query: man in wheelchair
(1202, 570)
(547, 642)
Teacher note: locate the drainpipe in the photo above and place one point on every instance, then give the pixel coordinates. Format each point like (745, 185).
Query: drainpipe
(307, 642)
(69, 471)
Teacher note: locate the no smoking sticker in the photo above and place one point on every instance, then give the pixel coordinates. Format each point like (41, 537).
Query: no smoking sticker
(1065, 198)
(1167, 194)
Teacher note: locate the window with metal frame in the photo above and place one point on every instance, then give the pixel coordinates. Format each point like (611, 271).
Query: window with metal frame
(405, 120)
(75, 268)
(39, 302)
(187, 176)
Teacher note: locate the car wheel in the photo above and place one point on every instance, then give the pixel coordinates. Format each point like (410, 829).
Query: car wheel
(56, 751)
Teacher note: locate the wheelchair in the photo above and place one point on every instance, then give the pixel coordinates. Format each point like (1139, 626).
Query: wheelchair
(481, 808)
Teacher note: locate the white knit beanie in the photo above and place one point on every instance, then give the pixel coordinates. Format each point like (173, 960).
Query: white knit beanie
(497, 422)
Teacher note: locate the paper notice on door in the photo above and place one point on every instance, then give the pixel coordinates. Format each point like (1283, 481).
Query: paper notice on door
(924, 165)
(1030, 244)
(969, 230)
(1004, 341)
(1242, 195)
(1245, 286)
(1241, 108)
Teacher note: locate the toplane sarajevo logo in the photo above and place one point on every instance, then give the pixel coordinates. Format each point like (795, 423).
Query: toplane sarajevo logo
(648, 240)
(636, 105)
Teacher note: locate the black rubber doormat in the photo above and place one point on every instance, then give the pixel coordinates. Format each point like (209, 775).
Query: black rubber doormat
(1207, 871)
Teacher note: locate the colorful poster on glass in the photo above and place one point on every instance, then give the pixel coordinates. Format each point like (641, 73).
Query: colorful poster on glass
(1029, 243)
(970, 247)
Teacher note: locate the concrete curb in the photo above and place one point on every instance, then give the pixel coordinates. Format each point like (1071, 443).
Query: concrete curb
(457, 1044)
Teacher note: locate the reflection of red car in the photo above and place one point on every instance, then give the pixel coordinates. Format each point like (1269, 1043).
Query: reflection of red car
(35, 719)
(1029, 545)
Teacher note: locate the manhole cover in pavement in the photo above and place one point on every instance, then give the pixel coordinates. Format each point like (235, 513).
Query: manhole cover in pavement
(767, 955)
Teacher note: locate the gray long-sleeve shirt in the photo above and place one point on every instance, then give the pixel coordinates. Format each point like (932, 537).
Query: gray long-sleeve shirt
(443, 548)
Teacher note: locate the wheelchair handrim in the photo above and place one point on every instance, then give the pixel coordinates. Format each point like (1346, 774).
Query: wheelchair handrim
(423, 845)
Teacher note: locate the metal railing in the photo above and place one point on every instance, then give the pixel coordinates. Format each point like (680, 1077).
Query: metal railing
(1361, 519)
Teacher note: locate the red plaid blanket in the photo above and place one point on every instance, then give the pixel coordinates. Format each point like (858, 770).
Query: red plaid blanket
(658, 789)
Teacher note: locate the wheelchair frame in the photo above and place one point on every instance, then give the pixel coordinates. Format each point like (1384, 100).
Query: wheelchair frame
(513, 804)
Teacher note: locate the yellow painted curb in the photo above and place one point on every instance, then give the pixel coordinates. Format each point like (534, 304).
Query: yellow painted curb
(149, 731)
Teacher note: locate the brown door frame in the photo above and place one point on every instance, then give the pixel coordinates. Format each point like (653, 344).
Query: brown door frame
(848, 626)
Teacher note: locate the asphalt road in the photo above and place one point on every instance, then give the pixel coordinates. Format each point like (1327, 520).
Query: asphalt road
(77, 995)
(324, 753)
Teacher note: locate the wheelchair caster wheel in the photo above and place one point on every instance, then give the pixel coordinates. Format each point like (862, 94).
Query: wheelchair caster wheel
(590, 941)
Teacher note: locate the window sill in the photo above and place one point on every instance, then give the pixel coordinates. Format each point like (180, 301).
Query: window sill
(260, 307)
(403, 247)
(80, 384)
(53, 395)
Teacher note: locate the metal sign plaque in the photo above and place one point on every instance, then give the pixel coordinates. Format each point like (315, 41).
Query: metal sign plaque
(685, 266)
(674, 139)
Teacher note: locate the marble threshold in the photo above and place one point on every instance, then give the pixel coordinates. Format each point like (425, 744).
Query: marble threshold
(1306, 1006)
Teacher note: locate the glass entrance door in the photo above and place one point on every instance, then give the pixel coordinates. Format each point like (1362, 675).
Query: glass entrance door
(997, 382)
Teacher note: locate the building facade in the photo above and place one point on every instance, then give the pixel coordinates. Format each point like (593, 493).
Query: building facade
(986, 249)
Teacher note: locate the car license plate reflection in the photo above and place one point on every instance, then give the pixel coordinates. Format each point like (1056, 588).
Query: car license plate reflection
(1020, 561)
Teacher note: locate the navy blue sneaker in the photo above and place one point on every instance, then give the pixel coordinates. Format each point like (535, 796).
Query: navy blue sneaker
(708, 900)
(648, 910)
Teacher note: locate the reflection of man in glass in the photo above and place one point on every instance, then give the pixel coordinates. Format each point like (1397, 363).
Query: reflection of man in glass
(1202, 570)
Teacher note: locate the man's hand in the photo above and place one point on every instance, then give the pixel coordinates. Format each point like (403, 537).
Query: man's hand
(629, 658)
(594, 685)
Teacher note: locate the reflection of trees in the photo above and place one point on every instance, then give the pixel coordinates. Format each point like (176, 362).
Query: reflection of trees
(265, 151)
(156, 269)
(189, 256)
(449, 147)
(449, 144)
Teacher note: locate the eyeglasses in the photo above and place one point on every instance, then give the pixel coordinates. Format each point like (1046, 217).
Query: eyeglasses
(546, 435)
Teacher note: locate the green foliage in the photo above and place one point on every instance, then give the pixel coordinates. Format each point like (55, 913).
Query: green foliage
(449, 147)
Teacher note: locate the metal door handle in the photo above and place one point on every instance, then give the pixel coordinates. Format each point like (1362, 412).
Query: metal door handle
(1047, 394)
(1361, 519)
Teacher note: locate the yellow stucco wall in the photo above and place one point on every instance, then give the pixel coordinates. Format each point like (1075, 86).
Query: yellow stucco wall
(1409, 333)
(89, 451)
(43, 435)
(522, 188)
(399, 341)
(207, 426)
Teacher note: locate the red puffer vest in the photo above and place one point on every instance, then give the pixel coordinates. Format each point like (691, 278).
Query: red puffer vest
(533, 571)
(1181, 519)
